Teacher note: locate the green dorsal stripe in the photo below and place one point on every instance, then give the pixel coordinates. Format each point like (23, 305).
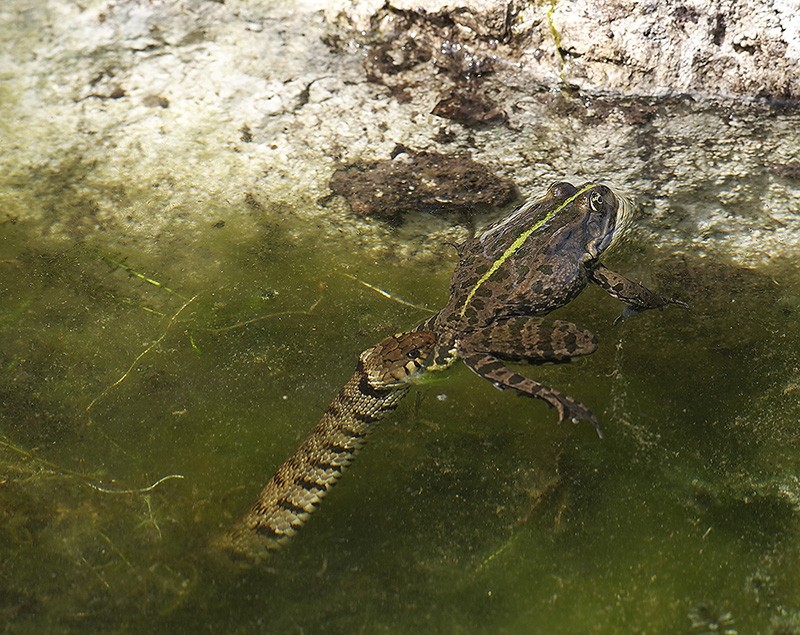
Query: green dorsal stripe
(517, 244)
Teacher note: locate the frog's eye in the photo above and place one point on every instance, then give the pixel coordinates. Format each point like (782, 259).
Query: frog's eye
(596, 202)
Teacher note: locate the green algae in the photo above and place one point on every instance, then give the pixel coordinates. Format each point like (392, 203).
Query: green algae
(146, 395)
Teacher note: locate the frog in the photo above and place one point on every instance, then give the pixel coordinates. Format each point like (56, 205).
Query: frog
(508, 279)
(520, 269)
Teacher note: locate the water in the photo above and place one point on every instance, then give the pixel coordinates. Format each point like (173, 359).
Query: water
(146, 396)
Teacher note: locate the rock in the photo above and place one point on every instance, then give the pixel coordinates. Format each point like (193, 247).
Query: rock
(175, 114)
(717, 48)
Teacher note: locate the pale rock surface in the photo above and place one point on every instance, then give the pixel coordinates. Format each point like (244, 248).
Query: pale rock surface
(150, 121)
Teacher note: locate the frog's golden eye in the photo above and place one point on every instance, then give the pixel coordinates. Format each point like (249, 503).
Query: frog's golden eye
(596, 202)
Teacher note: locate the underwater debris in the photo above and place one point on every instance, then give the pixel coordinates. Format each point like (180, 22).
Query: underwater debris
(388, 295)
(710, 620)
(138, 358)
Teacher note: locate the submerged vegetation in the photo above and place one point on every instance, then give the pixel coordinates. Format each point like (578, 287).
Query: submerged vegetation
(145, 397)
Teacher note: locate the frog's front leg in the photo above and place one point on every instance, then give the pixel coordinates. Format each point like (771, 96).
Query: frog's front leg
(523, 339)
(637, 298)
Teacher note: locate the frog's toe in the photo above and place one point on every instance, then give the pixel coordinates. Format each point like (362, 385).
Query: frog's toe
(676, 302)
(575, 411)
(597, 427)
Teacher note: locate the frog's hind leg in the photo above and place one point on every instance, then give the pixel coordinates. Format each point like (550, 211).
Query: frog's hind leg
(532, 341)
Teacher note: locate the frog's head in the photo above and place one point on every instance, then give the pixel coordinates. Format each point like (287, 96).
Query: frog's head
(566, 222)
(592, 217)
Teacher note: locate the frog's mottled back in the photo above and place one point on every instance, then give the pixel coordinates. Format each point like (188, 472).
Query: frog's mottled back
(534, 260)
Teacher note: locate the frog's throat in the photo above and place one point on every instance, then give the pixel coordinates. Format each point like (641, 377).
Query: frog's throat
(513, 247)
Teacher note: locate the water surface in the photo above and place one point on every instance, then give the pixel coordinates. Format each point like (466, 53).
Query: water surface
(147, 395)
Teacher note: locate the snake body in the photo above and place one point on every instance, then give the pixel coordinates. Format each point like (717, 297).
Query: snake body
(299, 484)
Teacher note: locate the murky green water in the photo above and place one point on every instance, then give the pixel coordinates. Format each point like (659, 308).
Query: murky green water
(138, 420)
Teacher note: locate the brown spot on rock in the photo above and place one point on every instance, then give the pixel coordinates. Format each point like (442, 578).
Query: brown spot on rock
(468, 107)
(155, 101)
(395, 56)
(420, 182)
(790, 170)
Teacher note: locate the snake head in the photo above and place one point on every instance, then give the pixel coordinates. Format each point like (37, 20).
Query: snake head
(394, 360)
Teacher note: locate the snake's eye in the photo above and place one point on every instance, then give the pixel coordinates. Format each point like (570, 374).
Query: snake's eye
(413, 354)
